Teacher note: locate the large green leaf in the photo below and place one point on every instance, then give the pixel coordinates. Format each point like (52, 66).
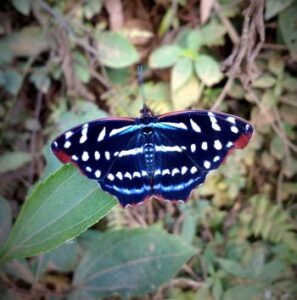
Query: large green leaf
(287, 23)
(181, 73)
(274, 7)
(129, 262)
(57, 210)
(115, 51)
(164, 56)
(208, 70)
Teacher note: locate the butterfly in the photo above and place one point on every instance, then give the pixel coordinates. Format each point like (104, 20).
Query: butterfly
(164, 156)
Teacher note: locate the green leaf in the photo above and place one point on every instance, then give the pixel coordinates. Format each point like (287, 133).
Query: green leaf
(213, 33)
(181, 73)
(10, 161)
(188, 94)
(274, 7)
(231, 266)
(92, 7)
(115, 51)
(164, 56)
(287, 23)
(81, 67)
(40, 79)
(5, 219)
(265, 81)
(58, 209)
(22, 6)
(12, 81)
(244, 292)
(208, 70)
(194, 40)
(129, 262)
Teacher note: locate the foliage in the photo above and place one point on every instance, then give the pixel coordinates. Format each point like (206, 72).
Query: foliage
(63, 63)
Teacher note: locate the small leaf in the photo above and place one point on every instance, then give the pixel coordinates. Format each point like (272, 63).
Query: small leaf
(129, 262)
(81, 67)
(195, 40)
(12, 81)
(40, 79)
(10, 161)
(213, 33)
(287, 23)
(264, 82)
(22, 6)
(276, 65)
(58, 209)
(181, 73)
(91, 8)
(187, 95)
(277, 148)
(5, 219)
(164, 56)
(115, 51)
(244, 292)
(274, 7)
(208, 70)
(232, 267)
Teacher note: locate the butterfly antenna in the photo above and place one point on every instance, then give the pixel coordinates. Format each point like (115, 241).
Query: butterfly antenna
(140, 82)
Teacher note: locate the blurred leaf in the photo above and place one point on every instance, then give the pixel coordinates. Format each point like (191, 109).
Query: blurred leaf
(119, 76)
(187, 95)
(287, 22)
(5, 54)
(181, 39)
(236, 91)
(232, 267)
(115, 51)
(264, 81)
(22, 6)
(213, 33)
(81, 67)
(276, 65)
(40, 79)
(129, 262)
(274, 7)
(166, 22)
(244, 292)
(5, 219)
(181, 73)
(10, 161)
(164, 57)
(20, 269)
(92, 8)
(57, 210)
(290, 83)
(64, 258)
(277, 148)
(12, 81)
(208, 70)
(195, 40)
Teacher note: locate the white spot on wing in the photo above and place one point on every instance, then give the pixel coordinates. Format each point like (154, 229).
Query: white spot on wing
(119, 130)
(128, 175)
(55, 144)
(176, 125)
(107, 155)
(174, 171)
(144, 173)
(133, 151)
(162, 148)
(195, 126)
(101, 135)
(136, 174)
(193, 170)
(231, 120)
(119, 175)
(184, 170)
(67, 144)
(97, 155)
(216, 158)
(215, 127)
(234, 129)
(157, 172)
(166, 171)
(84, 132)
(193, 147)
(110, 177)
(206, 164)
(217, 145)
(88, 169)
(229, 145)
(68, 134)
(97, 173)
(74, 157)
(85, 156)
(204, 146)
